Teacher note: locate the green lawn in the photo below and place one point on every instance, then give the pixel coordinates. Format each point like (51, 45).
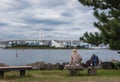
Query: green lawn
(62, 76)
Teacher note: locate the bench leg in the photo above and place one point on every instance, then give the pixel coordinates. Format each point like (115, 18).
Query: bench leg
(92, 72)
(22, 73)
(1, 74)
(73, 72)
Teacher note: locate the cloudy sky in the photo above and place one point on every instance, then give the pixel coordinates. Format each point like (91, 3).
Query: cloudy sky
(44, 19)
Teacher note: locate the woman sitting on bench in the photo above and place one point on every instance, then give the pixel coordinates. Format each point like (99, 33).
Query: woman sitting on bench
(75, 58)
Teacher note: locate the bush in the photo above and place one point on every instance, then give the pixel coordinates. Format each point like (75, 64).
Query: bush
(117, 65)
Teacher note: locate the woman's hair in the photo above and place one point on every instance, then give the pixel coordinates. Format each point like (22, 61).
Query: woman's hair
(74, 51)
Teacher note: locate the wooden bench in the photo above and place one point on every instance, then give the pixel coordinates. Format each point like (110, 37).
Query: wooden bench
(21, 69)
(74, 69)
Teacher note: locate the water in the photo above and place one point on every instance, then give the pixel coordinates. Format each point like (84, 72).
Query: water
(23, 57)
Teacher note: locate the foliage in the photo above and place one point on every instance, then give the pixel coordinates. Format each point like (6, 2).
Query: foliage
(117, 65)
(108, 14)
(92, 38)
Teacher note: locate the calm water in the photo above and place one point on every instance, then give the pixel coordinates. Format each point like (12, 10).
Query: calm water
(23, 57)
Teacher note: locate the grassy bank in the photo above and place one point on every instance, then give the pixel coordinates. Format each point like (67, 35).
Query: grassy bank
(62, 76)
(25, 46)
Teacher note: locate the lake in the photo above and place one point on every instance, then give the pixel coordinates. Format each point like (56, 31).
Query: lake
(25, 56)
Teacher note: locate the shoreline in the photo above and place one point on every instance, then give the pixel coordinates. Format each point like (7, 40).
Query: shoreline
(113, 64)
(48, 48)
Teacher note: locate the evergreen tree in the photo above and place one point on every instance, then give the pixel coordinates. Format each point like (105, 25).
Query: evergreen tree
(108, 14)
(91, 38)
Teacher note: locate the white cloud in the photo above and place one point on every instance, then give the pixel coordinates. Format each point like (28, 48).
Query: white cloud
(28, 19)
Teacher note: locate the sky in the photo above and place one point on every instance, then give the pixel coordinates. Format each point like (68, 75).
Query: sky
(44, 19)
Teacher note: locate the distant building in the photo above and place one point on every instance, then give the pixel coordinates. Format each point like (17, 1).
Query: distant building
(85, 45)
(51, 43)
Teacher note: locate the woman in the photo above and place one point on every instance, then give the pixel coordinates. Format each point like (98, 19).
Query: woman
(75, 58)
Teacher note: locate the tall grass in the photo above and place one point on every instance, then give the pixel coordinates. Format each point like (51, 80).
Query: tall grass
(62, 76)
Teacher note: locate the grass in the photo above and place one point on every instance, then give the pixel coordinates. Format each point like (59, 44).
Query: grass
(62, 76)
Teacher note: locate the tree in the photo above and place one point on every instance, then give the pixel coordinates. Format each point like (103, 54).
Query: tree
(108, 14)
(91, 38)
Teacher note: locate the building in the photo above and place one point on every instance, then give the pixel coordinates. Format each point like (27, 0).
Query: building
(51, 43)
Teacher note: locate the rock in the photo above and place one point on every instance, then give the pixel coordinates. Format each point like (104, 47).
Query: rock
(50, 66)
(65, 63)
(46, 66)
(107, 65)
(115, 61)
(38, 65)
(59, 66)
(3, 65)
(56, 66)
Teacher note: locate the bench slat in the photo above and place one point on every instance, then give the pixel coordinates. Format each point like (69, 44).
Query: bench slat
(15, 68)
(21, 69)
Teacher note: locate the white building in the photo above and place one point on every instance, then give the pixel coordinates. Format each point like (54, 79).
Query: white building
(55, 43)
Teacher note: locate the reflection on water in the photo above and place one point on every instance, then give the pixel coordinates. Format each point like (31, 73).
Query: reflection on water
(23, 57)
